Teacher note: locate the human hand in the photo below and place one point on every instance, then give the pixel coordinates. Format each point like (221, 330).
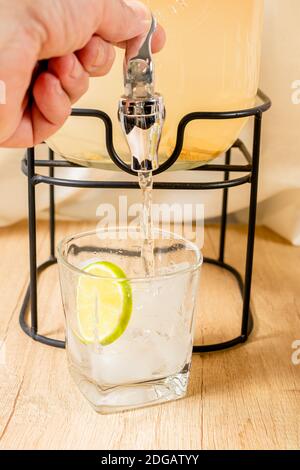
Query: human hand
(75, 39)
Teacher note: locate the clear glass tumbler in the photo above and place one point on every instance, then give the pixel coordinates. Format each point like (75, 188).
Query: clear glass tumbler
(142, 355)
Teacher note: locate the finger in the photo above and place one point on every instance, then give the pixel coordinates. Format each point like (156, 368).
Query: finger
(45, 113)
(23, 134)
(122, 20)
(113, 20)
(72, 76)
(49, 111)
(97, 57)
(158, 40)
(33, 129)
(51, 99)
(42, 128)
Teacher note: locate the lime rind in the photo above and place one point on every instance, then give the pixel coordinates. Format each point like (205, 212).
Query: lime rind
(125, 295)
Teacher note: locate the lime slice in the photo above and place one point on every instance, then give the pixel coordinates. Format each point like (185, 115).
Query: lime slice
(104, 305)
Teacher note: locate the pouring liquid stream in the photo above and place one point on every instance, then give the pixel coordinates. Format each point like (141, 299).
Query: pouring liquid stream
(146, 223)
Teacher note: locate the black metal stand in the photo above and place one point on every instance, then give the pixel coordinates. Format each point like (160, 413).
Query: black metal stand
(250, 171)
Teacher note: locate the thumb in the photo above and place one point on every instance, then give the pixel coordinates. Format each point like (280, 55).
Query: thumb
(124, 20)
(113, 20)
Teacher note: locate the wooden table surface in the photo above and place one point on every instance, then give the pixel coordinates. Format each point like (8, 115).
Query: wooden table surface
(246, 398)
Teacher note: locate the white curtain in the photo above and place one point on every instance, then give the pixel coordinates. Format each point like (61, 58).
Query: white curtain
(279, 193)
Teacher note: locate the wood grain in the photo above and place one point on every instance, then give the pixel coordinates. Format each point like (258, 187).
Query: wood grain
(246, 398)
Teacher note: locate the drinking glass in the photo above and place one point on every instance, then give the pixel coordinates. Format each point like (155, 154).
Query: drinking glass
(147, 361)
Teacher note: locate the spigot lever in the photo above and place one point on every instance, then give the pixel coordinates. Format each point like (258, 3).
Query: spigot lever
(141, 110)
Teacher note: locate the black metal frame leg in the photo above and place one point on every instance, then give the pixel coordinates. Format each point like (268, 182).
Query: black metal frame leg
(52, 209)
(30, 300)
(247, 320)
(32, 244)
(224, 211)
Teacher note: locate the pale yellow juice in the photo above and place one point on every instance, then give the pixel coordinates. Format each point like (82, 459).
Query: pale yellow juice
(210, 63)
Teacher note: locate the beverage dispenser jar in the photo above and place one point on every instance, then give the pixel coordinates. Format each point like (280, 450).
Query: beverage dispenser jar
(210, 62)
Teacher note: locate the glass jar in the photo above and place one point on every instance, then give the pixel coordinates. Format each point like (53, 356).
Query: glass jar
(210, 63)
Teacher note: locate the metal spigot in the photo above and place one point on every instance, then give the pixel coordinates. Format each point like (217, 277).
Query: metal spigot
(141, 110)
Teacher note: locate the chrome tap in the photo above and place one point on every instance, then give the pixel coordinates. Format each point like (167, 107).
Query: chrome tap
(141, 110)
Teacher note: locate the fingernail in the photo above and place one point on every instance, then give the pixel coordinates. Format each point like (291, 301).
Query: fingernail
(140, 10)
(76, 69)
(101, 55)
(58, 88)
